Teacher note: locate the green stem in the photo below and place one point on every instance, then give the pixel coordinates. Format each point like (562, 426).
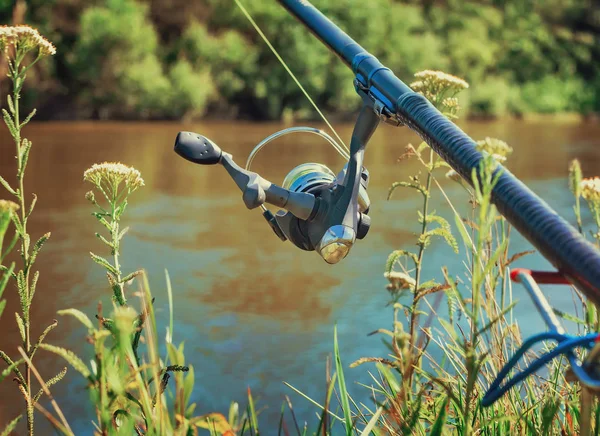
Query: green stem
(115, 242)
(414, 314)
(16, 74)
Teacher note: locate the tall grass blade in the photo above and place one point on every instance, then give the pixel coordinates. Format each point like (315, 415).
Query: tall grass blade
(342, 384)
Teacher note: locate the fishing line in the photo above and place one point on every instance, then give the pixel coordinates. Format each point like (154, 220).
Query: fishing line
(263, 36)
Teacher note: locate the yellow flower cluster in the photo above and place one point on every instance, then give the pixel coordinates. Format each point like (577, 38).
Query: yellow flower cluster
(112, 174)
(399, 281)
(8, 206)
(590, 189)
(499, 149)
(26, 38)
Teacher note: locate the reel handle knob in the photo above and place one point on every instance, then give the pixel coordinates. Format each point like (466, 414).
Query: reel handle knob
(197, 148)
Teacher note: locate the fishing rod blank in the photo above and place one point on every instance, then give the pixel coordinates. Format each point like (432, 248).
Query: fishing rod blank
(397, 104)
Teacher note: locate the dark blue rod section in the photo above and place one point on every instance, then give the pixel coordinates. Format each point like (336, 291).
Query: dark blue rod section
(554, 237)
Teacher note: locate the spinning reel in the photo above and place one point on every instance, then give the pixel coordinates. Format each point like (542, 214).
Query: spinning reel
(320, 210)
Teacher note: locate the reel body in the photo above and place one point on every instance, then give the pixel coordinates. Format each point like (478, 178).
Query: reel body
(318, 180)
(319, 209)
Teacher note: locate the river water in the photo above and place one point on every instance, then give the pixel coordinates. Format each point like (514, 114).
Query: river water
(253, 311)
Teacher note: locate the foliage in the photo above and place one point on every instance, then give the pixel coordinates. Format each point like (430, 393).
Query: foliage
(141, 59)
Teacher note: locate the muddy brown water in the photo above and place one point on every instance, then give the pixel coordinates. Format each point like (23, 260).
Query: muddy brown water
(252, 311)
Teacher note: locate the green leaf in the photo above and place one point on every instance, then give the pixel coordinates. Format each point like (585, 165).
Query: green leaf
(438, 425)
(23, 297)
(12, 366)
(33, 286)
(11, 426)
(81, 317)
(32, 205)
(569, 317)
(105, 241)
(11, 106)
(372, 422)
(24, 150)
(7, 186)
(2, 306)
(390, 378)
(5, 277)
(100, 217)
(131, 276)
(38, 246)
(342, 384)
(42, 337)
(9, 123)
(122, 233)
(29, 117)
(71, 359)
(103, 262)
(17, 222)
(188, 385)
(252, 412)
(463, 231)
(21, 326)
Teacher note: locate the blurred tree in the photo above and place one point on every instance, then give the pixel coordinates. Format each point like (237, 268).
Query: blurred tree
(181, 58)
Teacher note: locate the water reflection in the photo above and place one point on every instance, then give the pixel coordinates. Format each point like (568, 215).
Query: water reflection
(252, 310)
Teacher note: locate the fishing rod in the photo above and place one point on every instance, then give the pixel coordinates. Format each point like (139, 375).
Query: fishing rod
(328, 212)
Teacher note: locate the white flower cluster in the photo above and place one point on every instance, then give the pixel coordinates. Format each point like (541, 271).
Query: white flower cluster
(113, 174)
(499, 149)
(590, 189)
(438, 80)
(26, 38)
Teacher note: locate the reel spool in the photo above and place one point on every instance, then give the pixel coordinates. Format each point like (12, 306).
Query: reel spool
(320, 210)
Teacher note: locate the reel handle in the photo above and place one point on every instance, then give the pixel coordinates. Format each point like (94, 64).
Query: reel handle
(255, 189)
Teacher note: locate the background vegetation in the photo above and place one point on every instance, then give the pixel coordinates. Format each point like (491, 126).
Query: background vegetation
(141, 59)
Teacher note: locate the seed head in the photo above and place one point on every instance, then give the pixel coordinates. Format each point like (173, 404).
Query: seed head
(575, 177)
(399, 281)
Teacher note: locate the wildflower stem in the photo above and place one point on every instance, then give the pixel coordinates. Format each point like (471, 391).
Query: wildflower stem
(414, 313)
(115, 242)
(15, 76)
